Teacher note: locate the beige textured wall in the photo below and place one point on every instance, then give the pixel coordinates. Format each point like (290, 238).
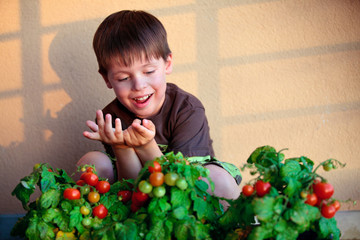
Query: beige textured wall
(281, 73)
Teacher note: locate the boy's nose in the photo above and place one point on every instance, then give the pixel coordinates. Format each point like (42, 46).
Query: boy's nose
(139, 83)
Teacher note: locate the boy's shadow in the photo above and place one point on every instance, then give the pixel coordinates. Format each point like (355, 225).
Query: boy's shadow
(73, 59)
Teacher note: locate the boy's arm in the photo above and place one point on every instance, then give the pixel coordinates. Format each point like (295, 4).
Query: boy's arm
(128, 163)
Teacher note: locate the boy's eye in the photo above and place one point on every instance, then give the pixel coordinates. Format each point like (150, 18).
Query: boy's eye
(123, 79)
(150, 72)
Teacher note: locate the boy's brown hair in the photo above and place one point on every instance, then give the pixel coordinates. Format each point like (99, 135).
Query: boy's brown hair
(127, 36)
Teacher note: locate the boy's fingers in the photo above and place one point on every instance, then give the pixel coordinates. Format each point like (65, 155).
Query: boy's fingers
(108, 125)
(118, 129)
(100, 118)
(92, 135)
(92, 125)
(149, 124)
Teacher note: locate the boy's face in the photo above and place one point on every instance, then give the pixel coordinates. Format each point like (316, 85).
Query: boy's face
(141, 86)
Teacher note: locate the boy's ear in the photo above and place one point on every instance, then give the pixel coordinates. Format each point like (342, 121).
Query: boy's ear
(105, 77)
(169, 64)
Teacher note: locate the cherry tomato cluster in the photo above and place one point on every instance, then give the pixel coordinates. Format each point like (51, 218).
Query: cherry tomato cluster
(261, 188)
(321, 197)
(155, 185)
(92, 188)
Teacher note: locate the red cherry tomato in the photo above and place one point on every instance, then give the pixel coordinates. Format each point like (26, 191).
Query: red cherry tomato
(124, 195)
(100, 211)
(139, 198)
(323, 190)
(262, 188)
(336, 205)
(71, 194)
(328, 211)
(80, 182)
(248, 190)
(311, 199)
(90, 178)
(155, 167)
(103, 186)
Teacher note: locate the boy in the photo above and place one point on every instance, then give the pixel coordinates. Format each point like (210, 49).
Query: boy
(149, 115)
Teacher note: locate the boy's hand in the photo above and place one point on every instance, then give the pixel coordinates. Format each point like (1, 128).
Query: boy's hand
(104, 132)
(138, 135)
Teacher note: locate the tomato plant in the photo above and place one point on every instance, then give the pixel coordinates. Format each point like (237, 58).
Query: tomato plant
(311, 199)
(170, 178)
(90, 178)
(262, 188)
(93, 197)
(248, 190)
(71, 193)
(156, 179)
(323, 190)
(103, 186)
(155, 167)
(124, 195)
(100, 211)
(328, 211)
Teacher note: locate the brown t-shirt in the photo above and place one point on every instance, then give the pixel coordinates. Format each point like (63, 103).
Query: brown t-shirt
(181, 124)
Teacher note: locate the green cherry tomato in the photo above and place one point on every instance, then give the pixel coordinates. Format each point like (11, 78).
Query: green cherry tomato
(85, 190)
(181, 183)
(84, 210)
(170, 178)
(328, 166)
(86, 222)
(145, 186)
(159, 191)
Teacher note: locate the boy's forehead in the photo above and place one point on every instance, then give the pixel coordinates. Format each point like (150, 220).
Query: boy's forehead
(142, 59)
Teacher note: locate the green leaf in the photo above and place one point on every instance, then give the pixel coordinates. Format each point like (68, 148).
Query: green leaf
(327, 227)
(180, 198)
(290, 169)
(23, 194)
(31, 232)
(62, 220)
(75, 217)
(293, 186)
(47, 180)
(49, 214)
(46, 230)
(263, 208)
(184, 229)
(180, 212)
(51, 198)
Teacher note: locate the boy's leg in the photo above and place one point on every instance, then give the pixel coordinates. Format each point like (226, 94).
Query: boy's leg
(103, 164)
(225, 184)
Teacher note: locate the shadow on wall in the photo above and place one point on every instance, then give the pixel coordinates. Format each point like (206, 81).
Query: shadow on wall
(72, 58)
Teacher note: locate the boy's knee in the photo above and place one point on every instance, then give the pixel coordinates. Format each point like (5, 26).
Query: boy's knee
(225, 184)
(102, 163)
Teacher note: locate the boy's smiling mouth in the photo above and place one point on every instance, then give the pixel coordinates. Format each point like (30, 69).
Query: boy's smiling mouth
(142, 99)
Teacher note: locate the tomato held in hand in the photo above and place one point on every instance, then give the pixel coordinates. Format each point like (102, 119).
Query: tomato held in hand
(90, 178)
(124, 195)
(262, 188)
(103, 187)
(328, 211)
(71, 194)
(311, 199)
(155, 167)
(100, 211)
(323, 190)
(156, 179)
(248, 190)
